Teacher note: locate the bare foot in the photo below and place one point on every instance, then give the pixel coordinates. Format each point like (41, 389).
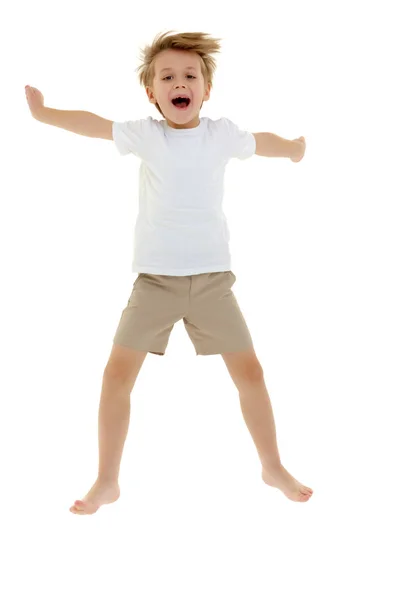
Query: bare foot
(278, 477)
(101, 493)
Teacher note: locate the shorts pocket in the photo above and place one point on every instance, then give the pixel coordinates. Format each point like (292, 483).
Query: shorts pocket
(133, 288)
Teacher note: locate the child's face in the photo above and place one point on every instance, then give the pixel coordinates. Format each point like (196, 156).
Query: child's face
(167, 84)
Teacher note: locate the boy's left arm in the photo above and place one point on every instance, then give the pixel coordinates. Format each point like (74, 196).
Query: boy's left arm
(269, 144)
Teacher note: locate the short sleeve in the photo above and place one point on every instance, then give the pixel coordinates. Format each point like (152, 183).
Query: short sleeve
(132, 136)
(239, 143)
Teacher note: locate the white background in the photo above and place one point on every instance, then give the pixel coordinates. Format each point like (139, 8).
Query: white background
(315, 250)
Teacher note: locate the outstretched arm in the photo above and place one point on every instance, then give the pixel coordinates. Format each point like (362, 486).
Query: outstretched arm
(77, 121)
(269, 144)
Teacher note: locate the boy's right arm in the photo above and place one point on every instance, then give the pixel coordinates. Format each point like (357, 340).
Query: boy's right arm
(77, 121)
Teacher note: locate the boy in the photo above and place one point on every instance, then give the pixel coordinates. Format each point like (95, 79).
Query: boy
(181, 248)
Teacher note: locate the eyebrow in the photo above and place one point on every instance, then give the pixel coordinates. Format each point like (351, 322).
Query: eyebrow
(170, 68)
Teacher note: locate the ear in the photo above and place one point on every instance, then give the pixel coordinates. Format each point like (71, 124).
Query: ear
(150, 95)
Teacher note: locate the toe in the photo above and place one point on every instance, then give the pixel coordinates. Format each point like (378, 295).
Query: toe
(78, 508)
(81, 506)
(304, 495)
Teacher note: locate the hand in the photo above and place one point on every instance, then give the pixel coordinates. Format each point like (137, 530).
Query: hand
(35, 100)
(299, 150)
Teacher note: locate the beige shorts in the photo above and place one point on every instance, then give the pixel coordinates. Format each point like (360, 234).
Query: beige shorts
(205, 302)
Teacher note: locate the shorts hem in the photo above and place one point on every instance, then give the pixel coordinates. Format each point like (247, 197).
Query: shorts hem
(126, 345)
(204, 353)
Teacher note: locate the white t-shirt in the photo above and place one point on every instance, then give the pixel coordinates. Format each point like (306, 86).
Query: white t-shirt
(181, 228)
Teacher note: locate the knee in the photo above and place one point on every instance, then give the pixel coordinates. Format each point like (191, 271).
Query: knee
(115, 376)
(244, 368)
(249, 374)
(252, 372)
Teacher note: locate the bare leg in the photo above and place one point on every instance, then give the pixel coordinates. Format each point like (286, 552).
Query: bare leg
(257, 412)
(114, 416)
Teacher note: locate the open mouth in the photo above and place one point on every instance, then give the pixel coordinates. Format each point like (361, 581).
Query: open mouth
(181, 103)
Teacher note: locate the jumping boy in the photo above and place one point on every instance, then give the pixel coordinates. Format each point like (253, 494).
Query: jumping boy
(181, 248)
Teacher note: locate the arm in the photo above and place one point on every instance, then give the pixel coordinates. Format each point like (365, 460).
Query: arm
(77, 121)
(269, 144)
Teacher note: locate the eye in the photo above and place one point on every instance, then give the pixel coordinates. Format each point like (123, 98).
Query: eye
(171, 76)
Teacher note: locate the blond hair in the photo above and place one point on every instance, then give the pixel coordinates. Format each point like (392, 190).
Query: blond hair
(194, 42)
